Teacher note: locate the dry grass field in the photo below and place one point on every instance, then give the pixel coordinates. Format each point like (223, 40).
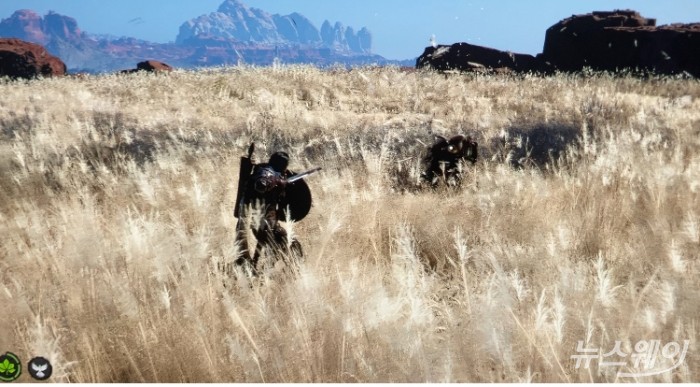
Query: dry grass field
(579, 223)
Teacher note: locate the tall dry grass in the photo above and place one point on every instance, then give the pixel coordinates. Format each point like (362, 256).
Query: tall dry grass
(581, 222)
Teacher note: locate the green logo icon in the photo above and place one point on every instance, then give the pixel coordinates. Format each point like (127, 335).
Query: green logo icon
(10, 367)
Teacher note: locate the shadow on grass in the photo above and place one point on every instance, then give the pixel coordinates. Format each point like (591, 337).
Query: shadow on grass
(532, 145)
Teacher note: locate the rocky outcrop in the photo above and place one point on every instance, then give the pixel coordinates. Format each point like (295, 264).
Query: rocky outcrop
(465, 57)
(602, 41)
(611, 41)
(20, 59)
(152, 66)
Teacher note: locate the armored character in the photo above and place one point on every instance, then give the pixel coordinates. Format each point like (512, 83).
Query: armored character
(275, 194)
(443, 159)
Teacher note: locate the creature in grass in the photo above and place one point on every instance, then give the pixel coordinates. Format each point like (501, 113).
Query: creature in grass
(444, 158)
(267, 194)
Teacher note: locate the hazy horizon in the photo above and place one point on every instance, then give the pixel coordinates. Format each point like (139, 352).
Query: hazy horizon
(400, 30)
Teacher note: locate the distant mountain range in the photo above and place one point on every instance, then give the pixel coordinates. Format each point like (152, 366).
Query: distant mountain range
(233, 34)
(234, 21)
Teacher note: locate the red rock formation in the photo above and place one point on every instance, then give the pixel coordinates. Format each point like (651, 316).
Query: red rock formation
(465, 56)
(20, 59)
(602, 41)
(611, 41)
(28, 25)
(151, 66)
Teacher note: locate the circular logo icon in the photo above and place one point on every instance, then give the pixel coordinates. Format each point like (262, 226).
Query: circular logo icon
(39, 368)
(10, 367)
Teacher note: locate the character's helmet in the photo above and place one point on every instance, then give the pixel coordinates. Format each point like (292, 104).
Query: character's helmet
(455, 144)
(279, 161)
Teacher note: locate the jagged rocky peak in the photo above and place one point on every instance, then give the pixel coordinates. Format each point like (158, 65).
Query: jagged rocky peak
(24, 24)
(235, 21)
(63, 27)
(257, 23)
(28, 25)
(233, 7)
(365, 38)
(344, 38)
(327, 34)
(296, 27)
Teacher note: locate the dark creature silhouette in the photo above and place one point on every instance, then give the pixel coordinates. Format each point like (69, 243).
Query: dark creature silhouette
(444, 157)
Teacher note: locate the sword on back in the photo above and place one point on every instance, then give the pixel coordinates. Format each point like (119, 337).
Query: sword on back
(302, 175)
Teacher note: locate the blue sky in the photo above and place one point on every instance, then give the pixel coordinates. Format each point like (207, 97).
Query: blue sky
(401, 29)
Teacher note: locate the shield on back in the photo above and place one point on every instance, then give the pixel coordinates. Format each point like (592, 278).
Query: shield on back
(243, 176)
(297, 200)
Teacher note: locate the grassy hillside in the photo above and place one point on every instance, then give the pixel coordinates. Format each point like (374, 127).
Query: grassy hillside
(581, 222)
